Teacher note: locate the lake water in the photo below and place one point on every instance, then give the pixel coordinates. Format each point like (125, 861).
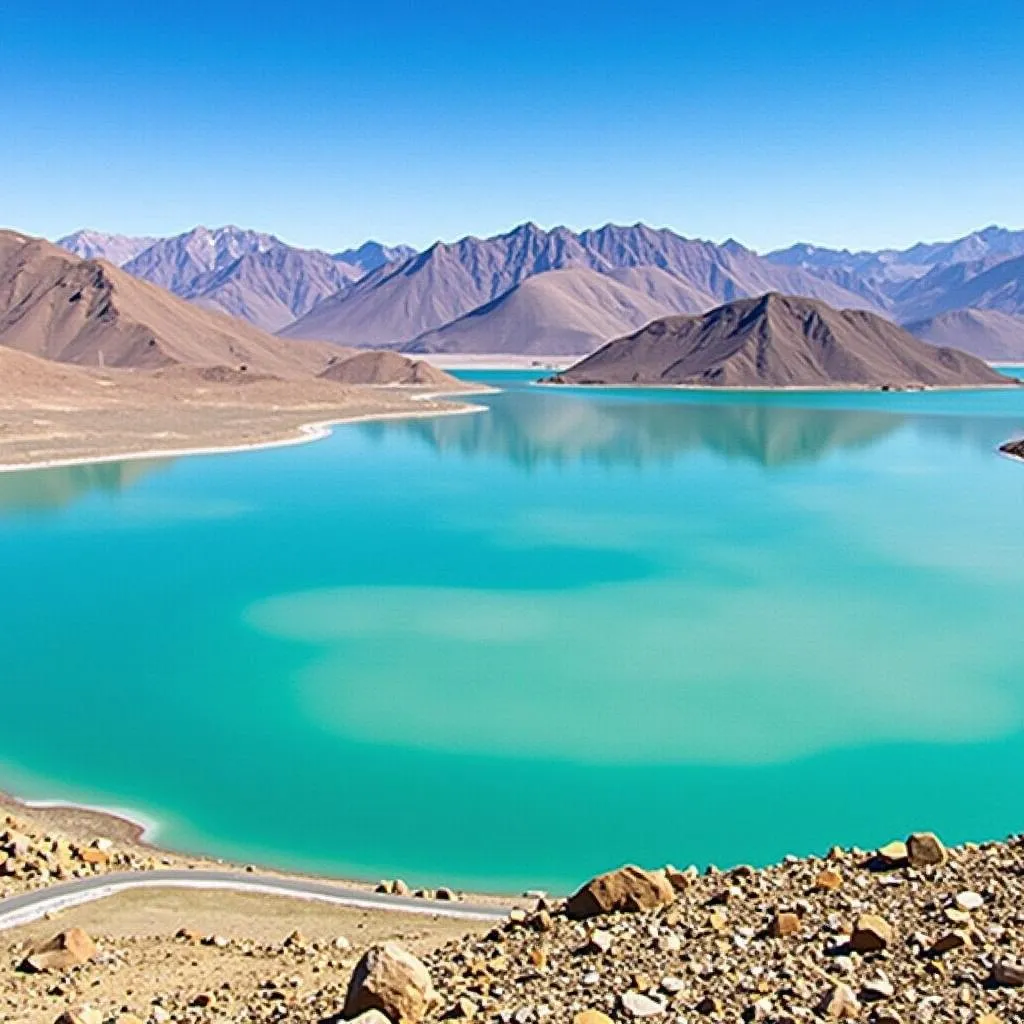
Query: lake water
(515, 648)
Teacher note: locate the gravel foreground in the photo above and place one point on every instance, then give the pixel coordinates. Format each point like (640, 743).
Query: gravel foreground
(912, 932)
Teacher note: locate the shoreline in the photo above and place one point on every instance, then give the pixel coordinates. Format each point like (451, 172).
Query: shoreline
(141, 830)
(316, 430)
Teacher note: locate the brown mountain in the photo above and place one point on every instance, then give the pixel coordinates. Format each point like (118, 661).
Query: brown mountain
(385, 368)
(60, 307)
(779, 341)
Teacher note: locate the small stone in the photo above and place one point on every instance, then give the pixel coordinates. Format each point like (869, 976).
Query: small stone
(392, 980)
(669, 943)
(878, 987)
(784, 923)
(629, 889)
(759, 1010)
(81, 1015)
(949, 941)
(925, 850)
(871, 933)
(892, 855)
(829, 879)
(840, 1003)
(591, 1017)
(672, 985)
(968, 901)
(636, 1004)
(887, 1017)
(464, 1008)
(599, 941)
(1006, 972)
(66, 949)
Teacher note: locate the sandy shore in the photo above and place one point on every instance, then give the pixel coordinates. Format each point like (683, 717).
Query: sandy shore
(139, 416)
(138, 837)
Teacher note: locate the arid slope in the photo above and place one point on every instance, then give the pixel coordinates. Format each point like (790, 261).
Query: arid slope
(779, 341)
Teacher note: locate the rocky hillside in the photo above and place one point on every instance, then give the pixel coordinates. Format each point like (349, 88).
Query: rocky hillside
(779, 341)
(911, 933)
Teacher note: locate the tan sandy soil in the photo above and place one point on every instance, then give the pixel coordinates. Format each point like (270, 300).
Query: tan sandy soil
(53, 412)
(141, 961)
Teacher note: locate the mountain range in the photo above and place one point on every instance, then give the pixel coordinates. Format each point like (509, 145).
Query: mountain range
(56, 307)
(558, 291)
(245, 273)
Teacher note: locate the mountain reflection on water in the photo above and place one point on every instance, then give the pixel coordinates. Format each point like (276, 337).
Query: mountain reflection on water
(534, 427)
(42, 489)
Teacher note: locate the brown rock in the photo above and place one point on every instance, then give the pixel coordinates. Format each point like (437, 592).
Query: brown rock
(1006, 972)
(393, 981)
(591, 1017)
(956, 939)
(67, 949)
(840, 1003)
(925, 850)
(629, 889)
(871, 933)
(708, 1006)
(829, 879)
(784, 923)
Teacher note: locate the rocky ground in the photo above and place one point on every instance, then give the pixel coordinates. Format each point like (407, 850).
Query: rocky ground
(34, 853)
(909, 933)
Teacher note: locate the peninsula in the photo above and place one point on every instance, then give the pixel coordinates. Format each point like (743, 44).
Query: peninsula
(97, 364)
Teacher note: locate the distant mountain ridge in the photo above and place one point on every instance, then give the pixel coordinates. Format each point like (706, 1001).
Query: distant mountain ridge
(396, 305)
(468, 293)
(248, 274)
(98, 245)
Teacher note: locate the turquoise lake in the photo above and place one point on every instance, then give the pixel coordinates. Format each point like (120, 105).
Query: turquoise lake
(514, 648)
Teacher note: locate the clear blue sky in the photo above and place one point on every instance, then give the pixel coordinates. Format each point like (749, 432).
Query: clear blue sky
(858, 124)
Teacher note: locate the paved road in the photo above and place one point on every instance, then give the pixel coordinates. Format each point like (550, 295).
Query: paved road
(31, 906)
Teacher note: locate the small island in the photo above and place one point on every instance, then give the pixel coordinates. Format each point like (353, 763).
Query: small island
(779, 341)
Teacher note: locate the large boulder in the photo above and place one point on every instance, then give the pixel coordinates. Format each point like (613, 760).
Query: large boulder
(628, 890)
(67, 949)
(391, 980)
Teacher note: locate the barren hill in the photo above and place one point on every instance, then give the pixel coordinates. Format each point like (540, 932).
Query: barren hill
(386, 368)
(55, 305)
(560, 312)
(985, 333)
(779, 341)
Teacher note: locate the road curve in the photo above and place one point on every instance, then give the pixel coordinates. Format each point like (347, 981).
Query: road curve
(30, 906)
